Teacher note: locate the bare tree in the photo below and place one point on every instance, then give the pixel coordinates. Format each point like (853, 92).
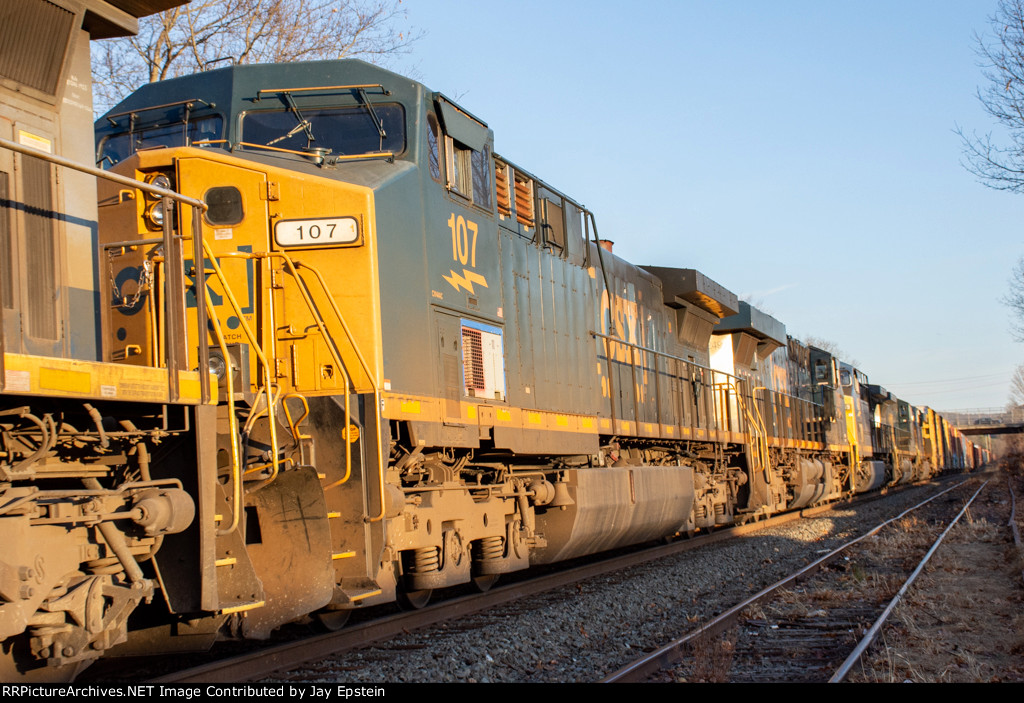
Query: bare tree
(211, 33)
(1014, 300)
(999, 164)
(1016, 398)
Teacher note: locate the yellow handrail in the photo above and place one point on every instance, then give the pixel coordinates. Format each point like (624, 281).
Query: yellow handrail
(334, 306)
(332, 347)
(760, 432)
(366, 369)
(257, 348)
(293, 425)
(293, 267)
(346, 375)
(895, 452)
(236, 464)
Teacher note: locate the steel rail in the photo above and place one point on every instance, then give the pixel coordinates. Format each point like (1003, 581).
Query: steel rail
(1013, 519)
(671, 653)
(262, 664)
(870, 635)
(254, 666)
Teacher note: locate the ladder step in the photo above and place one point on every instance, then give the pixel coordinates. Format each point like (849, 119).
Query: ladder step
(243, 607)
(356, 596)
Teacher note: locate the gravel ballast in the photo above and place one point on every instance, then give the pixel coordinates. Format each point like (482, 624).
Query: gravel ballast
(584, 632)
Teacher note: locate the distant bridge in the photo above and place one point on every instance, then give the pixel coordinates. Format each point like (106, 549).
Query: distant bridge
(987, 421)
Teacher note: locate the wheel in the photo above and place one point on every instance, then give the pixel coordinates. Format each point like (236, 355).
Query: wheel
(414, 600)
(484, 583)
(331, 620)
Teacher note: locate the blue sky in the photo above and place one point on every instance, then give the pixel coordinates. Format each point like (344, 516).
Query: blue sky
(802, 154)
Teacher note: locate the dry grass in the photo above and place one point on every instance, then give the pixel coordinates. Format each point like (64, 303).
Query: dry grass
(712, 658)
(754, 611)
(788, 604)
(1012, 460)
(893, 667)
(961, 621)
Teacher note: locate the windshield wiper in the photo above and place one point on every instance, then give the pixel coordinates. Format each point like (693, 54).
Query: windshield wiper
(133, 118)
(304, 125)
(373, 116)
(286, 95)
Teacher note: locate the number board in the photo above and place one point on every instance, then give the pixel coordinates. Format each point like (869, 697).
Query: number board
(325, 231)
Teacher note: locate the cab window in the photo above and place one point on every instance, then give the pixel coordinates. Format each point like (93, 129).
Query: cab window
(468, 172)
(433, 147)
(345, 131)
(119, 146)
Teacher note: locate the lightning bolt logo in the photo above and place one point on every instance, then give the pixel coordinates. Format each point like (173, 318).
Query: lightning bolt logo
(465, 281)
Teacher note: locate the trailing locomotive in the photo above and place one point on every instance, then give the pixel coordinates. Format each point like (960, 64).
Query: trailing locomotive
(345, 354)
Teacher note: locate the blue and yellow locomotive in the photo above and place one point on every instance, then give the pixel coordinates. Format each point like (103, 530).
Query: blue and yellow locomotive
(485, 384)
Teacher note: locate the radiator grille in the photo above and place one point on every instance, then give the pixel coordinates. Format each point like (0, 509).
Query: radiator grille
(40, 249)
(524, 200)
(34, 38)
(501, 188)
(473, 361)
(6, 252)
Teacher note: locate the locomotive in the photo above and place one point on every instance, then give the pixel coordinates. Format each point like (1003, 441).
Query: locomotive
(332, 351)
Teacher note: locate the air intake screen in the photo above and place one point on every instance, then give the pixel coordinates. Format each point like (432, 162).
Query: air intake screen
(483, 361)
(501, 188)
(6, 252)
(40, 249)
(34, 37)
(473, 361)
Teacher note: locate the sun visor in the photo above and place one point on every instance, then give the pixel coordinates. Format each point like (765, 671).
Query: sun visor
(461, 126)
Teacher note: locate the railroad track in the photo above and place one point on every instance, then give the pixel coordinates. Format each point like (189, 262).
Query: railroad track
(961, 620)
(253, 666)
(814, 624)
(457, 615)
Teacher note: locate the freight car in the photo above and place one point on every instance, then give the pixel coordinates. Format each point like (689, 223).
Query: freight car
(341, 343)
(98, 461)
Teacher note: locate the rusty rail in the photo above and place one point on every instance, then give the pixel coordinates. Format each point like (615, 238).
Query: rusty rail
(672, 652)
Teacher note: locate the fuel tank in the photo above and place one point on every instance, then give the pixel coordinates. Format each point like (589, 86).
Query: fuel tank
(615, 507)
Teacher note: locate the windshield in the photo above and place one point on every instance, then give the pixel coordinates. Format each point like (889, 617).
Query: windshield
(346, 131)
(117, 147)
